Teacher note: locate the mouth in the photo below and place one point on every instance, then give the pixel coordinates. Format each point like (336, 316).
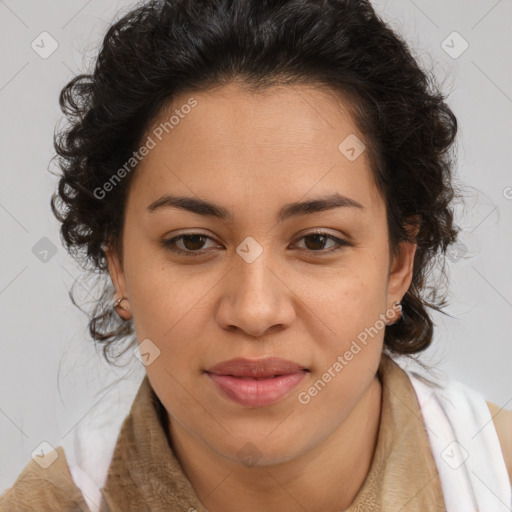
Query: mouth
(257, 368)
(256, 392)
(256, 383)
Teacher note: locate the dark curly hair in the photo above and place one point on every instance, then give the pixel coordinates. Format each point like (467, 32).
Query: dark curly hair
(162, 48)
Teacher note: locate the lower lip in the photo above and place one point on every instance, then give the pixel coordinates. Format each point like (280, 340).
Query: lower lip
(256, 392)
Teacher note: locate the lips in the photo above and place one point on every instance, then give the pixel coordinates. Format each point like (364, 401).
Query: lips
(256, 383)
(260, 368)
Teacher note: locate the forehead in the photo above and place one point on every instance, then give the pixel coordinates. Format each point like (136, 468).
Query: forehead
(277, 144)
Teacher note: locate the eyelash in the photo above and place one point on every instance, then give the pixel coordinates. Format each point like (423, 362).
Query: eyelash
(170, 244)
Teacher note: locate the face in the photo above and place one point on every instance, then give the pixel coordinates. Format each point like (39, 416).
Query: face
(254, 278)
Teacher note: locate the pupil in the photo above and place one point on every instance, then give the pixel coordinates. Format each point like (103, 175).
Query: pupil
(197, 241)
(317, 238)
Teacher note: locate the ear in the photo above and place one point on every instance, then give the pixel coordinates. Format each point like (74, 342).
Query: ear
(118, 280)
(402, 265)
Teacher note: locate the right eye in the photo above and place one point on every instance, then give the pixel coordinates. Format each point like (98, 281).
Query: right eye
(192, 244)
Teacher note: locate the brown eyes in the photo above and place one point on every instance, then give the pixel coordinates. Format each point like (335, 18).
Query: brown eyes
(192, 244)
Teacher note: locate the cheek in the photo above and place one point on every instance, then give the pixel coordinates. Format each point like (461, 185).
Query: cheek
(351, 295)
(171, 307)
(156, 291)
(347, 354)
(166, 307)
(350, 306)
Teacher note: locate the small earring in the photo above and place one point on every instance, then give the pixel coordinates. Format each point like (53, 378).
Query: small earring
(398, 308)
(117, 303)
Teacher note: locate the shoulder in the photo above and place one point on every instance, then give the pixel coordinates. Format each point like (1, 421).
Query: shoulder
(40, 488)
(454, 394)
(502, 419)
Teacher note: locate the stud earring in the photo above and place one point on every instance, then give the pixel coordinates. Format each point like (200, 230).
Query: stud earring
(117, 303)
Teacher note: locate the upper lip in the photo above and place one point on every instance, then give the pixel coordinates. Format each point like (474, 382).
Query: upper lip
(268, 367)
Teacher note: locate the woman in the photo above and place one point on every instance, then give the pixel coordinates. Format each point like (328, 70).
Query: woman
(266, 187)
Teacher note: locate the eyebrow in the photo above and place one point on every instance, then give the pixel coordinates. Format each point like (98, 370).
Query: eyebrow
(207, 209)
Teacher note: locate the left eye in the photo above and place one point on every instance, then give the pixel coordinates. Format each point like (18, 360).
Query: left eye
(192, 244)
(318, 240)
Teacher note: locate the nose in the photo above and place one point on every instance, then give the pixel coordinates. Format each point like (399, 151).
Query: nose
(256, 298)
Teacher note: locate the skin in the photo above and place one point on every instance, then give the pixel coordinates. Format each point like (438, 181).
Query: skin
(252, 153)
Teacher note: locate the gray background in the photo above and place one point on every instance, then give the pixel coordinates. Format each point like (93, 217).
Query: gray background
(50, 375)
